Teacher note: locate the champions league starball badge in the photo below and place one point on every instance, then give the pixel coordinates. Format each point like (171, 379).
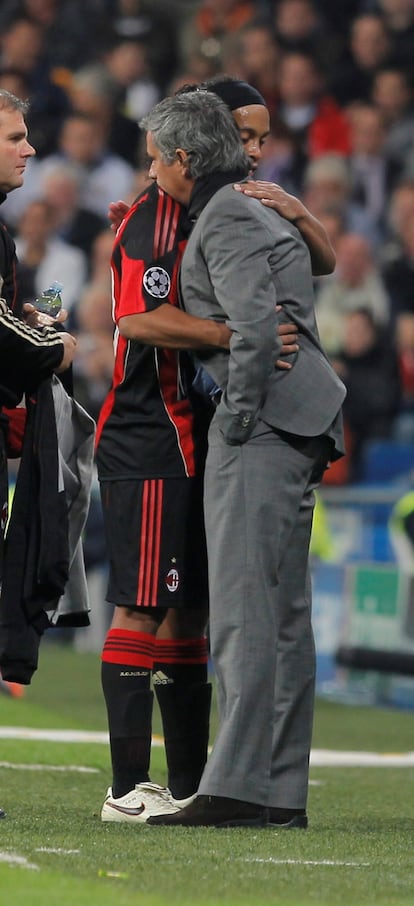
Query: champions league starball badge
(157, 282)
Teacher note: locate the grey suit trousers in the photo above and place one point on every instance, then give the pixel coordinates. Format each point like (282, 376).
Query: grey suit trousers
(258, 508)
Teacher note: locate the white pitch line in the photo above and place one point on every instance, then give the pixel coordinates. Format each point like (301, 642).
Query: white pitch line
(82, 736)
(319, 757)
(77, 768)
(58, 851)
(326, 758)
(28, 733)
(328, 862)
(15, 859)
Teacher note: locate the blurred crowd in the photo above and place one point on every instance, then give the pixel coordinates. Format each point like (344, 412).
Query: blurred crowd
(338, 77)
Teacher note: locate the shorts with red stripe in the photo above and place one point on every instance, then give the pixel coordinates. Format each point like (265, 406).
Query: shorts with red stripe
(155, 541)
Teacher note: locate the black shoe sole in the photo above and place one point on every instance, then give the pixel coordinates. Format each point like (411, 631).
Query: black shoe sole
(299, 822)
(243, 822)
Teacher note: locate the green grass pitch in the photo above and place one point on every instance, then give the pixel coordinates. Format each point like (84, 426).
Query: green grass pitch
(359, 848)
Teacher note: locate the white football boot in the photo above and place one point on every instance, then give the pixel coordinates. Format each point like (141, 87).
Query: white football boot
(137, 805)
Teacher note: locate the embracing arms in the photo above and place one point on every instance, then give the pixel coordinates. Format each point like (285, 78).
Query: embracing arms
(313, 232)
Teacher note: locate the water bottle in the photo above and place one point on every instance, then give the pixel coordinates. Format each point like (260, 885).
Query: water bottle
(50, 300)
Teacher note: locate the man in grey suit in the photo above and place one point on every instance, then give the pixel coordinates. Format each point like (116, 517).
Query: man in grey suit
(270, 440)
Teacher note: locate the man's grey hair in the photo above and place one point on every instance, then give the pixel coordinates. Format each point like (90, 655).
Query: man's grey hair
(201, 124)
(9, 101)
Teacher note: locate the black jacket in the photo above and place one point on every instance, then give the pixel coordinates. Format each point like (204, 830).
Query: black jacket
(43, 536)
(27, 356)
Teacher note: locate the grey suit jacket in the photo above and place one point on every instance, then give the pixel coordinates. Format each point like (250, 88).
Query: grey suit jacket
(242, 259)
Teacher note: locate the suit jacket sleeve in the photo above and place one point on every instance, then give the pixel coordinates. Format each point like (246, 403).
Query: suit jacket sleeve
(237, 247)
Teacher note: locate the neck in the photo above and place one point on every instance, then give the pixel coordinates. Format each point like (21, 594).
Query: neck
(206, 186)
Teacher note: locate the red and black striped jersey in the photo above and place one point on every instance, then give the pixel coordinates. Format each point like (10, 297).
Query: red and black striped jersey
(145, 428)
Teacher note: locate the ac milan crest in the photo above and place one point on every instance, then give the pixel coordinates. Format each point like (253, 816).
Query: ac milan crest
(173, 580)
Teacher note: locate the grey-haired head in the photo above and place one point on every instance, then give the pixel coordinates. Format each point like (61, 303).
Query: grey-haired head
(201, 125)
(9, 101)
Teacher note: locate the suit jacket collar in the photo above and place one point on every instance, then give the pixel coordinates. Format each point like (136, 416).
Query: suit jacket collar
(206, 186)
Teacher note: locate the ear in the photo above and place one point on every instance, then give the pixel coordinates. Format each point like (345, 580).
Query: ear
(183, 158)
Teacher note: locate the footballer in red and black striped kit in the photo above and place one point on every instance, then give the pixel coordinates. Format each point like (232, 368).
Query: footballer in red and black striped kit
(145, 426)
(150, 469)
(145, 438)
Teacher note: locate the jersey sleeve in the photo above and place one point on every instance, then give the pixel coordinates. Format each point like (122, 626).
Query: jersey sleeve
(147, 257)
(27, 355)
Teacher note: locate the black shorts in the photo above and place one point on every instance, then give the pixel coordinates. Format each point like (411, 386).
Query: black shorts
(155, 540)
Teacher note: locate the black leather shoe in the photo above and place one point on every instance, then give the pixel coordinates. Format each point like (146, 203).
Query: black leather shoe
(296, 821)
(215, 811)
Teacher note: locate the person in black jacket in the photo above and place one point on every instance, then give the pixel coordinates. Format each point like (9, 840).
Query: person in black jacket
(29, 352)
(368, 365)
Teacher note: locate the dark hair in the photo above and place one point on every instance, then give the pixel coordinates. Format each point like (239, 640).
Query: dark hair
(234, 92)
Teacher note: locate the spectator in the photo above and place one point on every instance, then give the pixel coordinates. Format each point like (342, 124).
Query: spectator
(299, 26)
(368, 366)
(101, 257)
(408, 170)
(127, 63)
(156, 30)
(60, 187)
(83, 141)
(334, 226)
(398, 271)
(399, 18)
(15, 81)
(69, 27)
(99, 275)
(370, 48)
(95, 351)
(198, 69)
(311, 114)
(122, 73)
(258, 60)
(93, 92)
(401, 206)
(355, 284)
(44, 257)
(327, 190)
(400, 209)
(373, 174)
(393, 97)
(211, 22)
(339, 14)
(23, 48)
(404, 424)
(283, 162)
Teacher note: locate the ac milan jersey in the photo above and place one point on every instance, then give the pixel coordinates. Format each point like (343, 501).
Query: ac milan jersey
(145, 428)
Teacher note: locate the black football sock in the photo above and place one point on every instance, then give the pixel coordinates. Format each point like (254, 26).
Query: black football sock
(127, 659)
(184, 698)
